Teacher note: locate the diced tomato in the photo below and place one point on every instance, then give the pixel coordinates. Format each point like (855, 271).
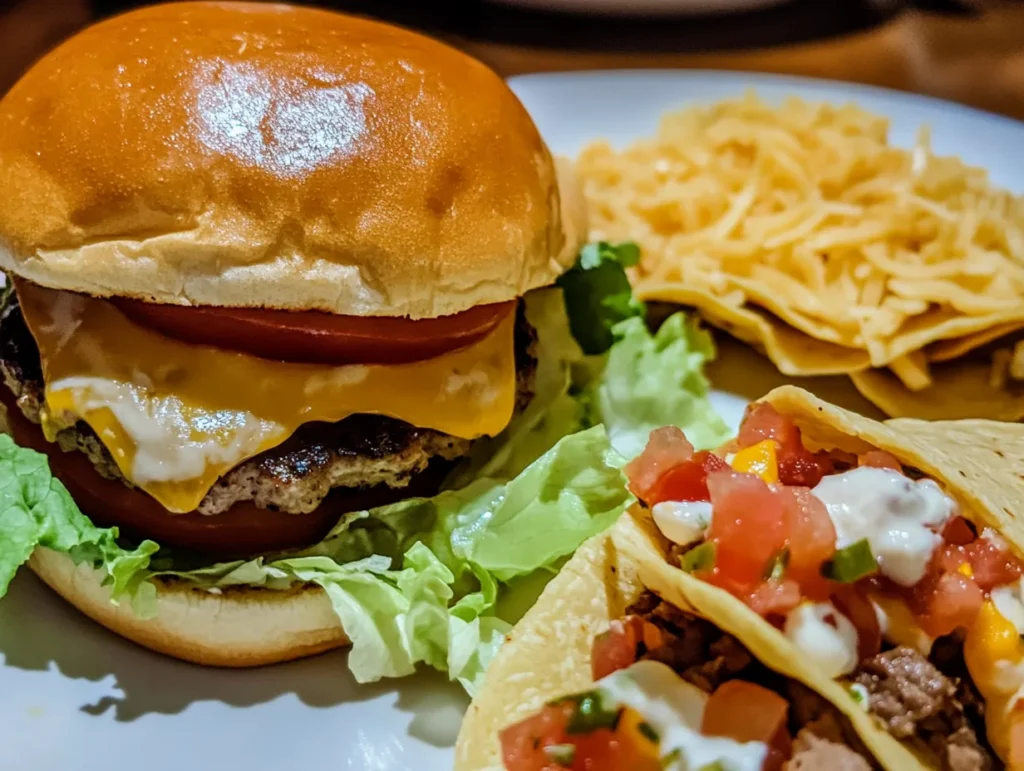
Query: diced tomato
(945, 601)
(958, 531)
(811, 536)
(620, 646)
(762, 421)
(748, 527)
(745, 712)
(686, 482)
(992, 564)
(880, 459)
(797, 464)
(774, 598)
(525, 745)
(854, 603)
(666, 448)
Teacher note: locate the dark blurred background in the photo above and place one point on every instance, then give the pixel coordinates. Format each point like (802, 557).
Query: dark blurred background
(967, 50)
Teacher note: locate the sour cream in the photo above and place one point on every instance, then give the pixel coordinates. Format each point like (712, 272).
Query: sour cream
(898, 516)
(675, 710)
(1009, 601)
(825, 635)
(682, 522)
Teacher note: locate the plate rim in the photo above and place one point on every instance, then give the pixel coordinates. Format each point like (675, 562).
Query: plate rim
(780, 79)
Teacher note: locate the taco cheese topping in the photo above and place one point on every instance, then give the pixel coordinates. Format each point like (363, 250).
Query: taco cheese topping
(847, 556)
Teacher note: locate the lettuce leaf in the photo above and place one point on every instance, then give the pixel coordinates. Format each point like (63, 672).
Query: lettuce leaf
(598, 294)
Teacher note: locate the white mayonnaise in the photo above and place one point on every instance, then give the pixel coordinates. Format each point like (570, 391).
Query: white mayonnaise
(682, 522)
(825, 635)
(898, 516)
(675, 710)
(172, 442)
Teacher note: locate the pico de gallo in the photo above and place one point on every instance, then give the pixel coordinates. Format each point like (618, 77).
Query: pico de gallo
(856, 559)
(674, 692)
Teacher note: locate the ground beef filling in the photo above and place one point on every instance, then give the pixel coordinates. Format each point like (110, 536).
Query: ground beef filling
(920, 704)
(359, 452)
(704, 655)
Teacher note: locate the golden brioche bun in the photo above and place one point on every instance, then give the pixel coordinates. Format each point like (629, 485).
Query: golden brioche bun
(240, 627)
(252, 155)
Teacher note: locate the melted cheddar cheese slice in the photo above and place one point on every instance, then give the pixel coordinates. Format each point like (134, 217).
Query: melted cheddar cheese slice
(177, 416)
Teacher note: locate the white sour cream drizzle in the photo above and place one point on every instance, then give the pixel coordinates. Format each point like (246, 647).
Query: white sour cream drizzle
(825, 635)
(682, 522)
(675, 710)
(898, 516)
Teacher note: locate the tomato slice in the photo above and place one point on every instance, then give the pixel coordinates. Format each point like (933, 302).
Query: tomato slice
(811, 536)
(945, 602)
(797, 465)
(749, 526)
(745, 712)
(620, 646)
(315, 336)
(992, 564)
(242, 530)
(666, 448)
(880, 459)
(854, 603)
(958, 531)
(544, 742)
(687, 481)
(774, 598)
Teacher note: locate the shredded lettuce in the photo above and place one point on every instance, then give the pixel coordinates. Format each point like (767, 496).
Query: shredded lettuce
(431, 580)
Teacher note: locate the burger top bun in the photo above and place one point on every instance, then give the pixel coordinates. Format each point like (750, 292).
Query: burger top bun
(252, 155)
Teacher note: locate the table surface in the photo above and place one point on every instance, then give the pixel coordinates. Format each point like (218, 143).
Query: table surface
(976, 59)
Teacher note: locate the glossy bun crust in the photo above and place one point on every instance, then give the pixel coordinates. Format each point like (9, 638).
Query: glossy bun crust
(251, 155)
(242, 627)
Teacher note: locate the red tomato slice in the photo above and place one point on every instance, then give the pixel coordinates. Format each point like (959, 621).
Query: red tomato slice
(853, 602)
(314, 336)
(945, 602)
(242, 530)
(748, 526)
(688, 481)
(666, 448)
(880, 459)
(797, 465)
(958, 531)
(619, 647)
(811, 536)
(524, 745)
(992, 564)
(774, 598)
(745, 712)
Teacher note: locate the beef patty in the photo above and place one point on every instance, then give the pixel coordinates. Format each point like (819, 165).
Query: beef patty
(360, 451)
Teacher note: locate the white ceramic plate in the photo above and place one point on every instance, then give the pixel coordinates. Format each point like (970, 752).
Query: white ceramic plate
(73, 696)
(645, 7)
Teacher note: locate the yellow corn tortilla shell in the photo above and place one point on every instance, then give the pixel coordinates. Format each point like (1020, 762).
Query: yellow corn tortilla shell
(947, 350)
(791, 351)
(959, 390)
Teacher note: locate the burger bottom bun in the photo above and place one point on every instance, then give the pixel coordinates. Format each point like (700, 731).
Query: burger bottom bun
(240, 627)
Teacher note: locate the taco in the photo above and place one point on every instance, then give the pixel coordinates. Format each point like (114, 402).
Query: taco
(876, 564)
(614, 668)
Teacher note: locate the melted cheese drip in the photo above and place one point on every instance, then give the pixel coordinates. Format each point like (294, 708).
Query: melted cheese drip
(176, 417)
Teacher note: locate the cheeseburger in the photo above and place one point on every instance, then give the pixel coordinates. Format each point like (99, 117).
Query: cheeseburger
(265, 268)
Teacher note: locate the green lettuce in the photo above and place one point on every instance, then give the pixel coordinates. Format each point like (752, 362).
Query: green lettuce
(439, 581)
